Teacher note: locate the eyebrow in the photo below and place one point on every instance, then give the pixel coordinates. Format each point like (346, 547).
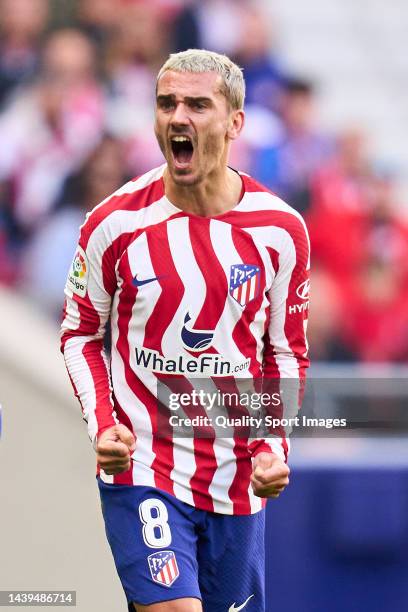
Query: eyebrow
(188, 99)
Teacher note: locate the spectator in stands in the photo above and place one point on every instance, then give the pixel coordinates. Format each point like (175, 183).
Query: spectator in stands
(49, 253)
(210, 24)
(340, 200)
(22, 26)
(327, 339)
(287, 166)
(263, 80)
(377, 305)
(387, 225)
(185, 31)
(96, 18)
(358, 235)
(378, 296)
(47, 132)
(134, 53)
(264, 74)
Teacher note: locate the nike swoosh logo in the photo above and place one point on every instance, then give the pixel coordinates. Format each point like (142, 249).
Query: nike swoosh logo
(139, 283)
(234, 609)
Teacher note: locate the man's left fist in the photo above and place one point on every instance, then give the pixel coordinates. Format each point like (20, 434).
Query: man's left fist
(270, 475)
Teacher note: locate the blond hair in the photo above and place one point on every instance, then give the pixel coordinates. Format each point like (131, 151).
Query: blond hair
(201, 60)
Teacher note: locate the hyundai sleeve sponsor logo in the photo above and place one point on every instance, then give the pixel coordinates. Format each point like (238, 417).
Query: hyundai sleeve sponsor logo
(303, 290)
(299, 308)
(196, 339)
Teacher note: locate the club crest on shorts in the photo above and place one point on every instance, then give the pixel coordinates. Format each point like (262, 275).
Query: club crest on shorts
(163, 567)
(245, 281)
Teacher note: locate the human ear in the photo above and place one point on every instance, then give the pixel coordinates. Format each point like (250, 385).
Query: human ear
(235, 124)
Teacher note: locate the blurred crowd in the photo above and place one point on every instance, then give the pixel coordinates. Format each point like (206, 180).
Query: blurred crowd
(76, 109)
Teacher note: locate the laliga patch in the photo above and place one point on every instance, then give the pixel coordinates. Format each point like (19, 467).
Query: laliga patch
(78, 273)
(163, 567)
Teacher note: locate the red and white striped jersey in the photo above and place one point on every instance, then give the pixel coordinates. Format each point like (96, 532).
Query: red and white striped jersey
(187, 296)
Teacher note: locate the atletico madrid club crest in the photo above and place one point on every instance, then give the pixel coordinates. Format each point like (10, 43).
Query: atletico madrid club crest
(163, 567)
(244, 283)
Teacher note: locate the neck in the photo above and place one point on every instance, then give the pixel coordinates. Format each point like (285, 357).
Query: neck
(215, 195)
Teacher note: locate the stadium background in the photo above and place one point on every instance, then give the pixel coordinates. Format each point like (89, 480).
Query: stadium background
(327, 100)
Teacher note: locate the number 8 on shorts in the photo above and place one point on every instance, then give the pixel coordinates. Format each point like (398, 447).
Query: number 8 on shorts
(156, 530)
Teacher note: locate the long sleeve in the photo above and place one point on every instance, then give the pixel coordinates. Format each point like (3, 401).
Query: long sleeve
(285, 354)
(88, 295)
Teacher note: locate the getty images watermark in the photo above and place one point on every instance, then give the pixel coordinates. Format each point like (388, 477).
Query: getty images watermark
(234, 410)
(231, 408)
(260, 408)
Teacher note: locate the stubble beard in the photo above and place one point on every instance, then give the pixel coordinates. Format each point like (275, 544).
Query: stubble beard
(184, 180)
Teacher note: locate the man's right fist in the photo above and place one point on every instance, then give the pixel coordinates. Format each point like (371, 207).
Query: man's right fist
(114, 449)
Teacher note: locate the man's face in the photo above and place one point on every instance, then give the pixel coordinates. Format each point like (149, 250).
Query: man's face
(193, 124)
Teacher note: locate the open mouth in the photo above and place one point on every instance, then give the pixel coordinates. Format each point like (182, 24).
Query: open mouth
(182, 149)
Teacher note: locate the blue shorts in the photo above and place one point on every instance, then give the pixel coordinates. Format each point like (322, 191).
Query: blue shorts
(165, 549)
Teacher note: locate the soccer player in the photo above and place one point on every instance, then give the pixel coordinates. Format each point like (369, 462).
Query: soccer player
(204, 275)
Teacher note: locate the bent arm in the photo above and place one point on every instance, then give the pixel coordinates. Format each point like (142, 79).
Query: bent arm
(88, 298)
(285, 354)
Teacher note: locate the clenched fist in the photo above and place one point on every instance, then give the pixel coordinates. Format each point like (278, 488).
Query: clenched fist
(270, 475)
(114, 449)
